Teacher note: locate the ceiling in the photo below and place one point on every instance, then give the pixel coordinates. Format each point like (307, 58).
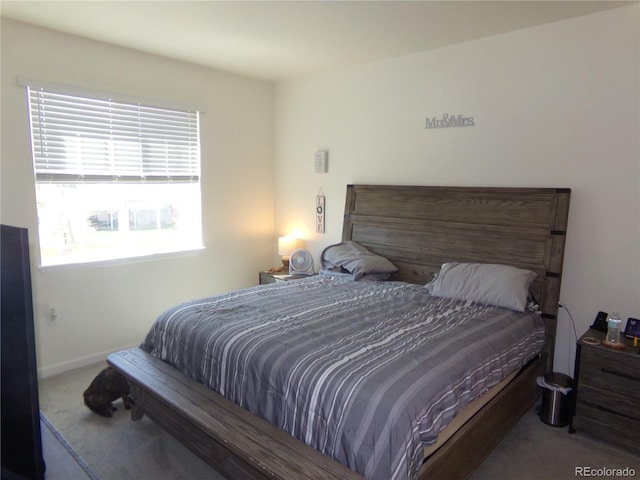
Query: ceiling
(279, 40)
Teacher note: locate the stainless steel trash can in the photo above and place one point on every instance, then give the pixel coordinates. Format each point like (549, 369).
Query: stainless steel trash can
(555, 404)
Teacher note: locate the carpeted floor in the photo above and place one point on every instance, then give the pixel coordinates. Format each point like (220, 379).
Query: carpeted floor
(118, 448)
(61, 460)
(115, 448)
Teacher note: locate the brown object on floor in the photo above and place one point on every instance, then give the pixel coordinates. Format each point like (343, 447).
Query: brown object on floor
(108, 386)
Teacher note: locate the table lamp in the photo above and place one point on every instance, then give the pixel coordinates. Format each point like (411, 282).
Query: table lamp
(286, 245)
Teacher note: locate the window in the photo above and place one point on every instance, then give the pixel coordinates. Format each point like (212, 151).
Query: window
(113, 179)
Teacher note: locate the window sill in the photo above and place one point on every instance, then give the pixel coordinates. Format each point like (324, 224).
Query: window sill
(123, 261)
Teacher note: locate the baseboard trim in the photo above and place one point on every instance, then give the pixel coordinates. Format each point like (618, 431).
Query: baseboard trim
(61, 367)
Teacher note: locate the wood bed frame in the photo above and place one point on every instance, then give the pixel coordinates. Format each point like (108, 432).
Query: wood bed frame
(418, 228)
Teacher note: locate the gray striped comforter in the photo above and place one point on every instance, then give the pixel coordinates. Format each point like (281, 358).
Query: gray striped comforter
(365, 372)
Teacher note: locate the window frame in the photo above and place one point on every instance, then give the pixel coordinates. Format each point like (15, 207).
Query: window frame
(191, 174)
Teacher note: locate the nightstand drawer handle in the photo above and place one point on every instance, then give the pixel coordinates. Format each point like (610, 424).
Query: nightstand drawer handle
(619, 374)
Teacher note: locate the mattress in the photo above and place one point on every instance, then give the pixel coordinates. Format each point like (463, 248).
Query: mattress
(368, 373)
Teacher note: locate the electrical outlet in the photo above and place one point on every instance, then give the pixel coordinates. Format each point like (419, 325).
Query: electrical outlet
(53, 316)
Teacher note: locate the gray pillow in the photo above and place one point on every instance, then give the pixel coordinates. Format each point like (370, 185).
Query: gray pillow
(491, 284)
(356, 259)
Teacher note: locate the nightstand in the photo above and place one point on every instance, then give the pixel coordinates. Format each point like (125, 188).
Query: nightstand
(269, 276)
(607, 392)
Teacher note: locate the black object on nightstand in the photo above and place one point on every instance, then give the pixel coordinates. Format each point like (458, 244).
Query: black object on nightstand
(607, 391)
(275, 275)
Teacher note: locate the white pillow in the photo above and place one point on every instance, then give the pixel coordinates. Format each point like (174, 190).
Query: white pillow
(491, 284)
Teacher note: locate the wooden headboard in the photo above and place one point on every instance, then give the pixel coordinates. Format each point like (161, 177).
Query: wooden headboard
(419, 228)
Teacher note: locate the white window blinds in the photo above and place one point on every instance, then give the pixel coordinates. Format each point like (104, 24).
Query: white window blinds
(81, 139)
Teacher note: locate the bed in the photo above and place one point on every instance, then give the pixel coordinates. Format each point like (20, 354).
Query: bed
(418, 229)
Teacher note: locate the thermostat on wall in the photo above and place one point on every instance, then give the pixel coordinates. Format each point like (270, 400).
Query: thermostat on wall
(321, 161)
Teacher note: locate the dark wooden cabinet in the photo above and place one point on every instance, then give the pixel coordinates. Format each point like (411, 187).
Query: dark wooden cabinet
(21, 440)
(608, 392)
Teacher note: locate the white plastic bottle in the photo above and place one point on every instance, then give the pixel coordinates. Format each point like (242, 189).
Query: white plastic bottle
(613, 328)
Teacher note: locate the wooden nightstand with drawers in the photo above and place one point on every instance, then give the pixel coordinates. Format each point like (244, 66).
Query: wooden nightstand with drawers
(607, 397)
(270, 276)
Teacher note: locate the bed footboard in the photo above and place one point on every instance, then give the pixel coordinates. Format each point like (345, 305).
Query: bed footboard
(241, 445)
(226, 436)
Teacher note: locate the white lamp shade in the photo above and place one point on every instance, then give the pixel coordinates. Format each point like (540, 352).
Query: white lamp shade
(286, 245)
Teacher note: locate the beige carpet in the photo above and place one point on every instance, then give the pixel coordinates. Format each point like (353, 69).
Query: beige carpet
(115, 448)
(536, 451)
(61, 460)
(118, 448)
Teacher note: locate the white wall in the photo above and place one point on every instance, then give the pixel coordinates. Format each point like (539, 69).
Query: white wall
(554, 106)
(102, 308)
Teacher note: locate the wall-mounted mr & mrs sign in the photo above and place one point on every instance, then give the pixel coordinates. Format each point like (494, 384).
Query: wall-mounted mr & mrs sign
(449, 121)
